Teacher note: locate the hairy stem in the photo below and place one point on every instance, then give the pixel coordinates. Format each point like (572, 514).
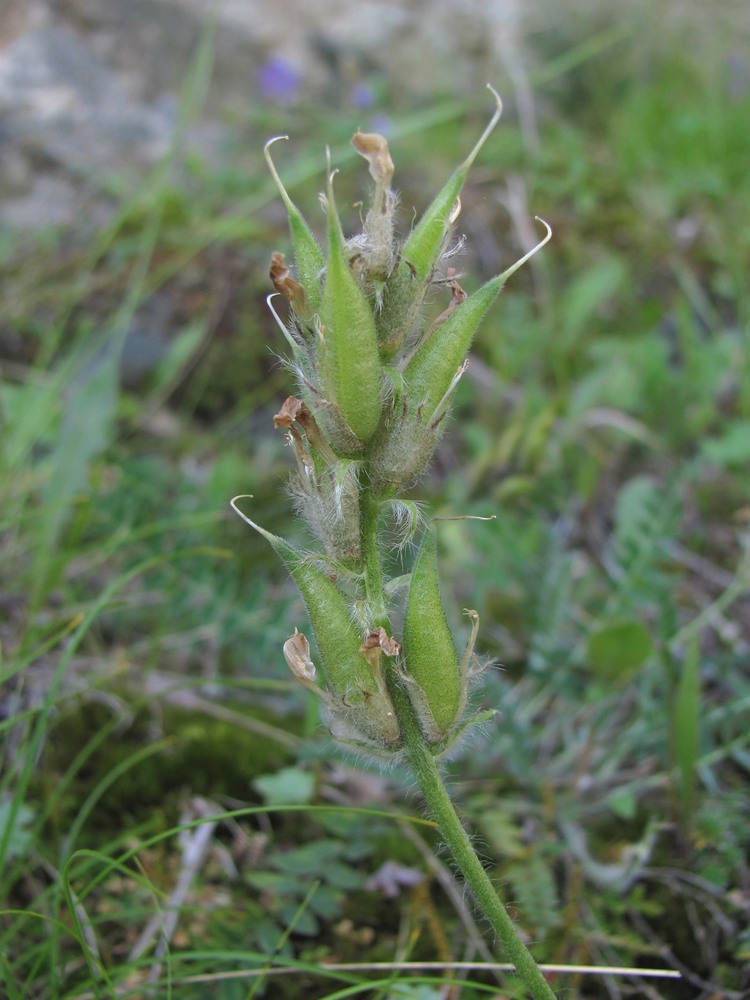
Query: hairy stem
(443, 811)
(432, 786)
(441, 807)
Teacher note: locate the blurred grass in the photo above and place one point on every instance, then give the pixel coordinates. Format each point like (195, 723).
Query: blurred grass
(606, 423)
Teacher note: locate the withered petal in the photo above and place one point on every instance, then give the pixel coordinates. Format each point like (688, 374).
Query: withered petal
(289, 412)
(297, 656)
(374, 148)
(285, 284)
(379, 639)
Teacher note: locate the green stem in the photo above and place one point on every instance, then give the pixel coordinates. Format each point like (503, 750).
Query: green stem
(427, 773)
(440, 805)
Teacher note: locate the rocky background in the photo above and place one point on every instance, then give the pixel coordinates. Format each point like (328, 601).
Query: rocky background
(90, 89)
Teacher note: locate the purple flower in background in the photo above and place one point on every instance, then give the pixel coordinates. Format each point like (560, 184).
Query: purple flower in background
(382, 124)
(391, 876)
(278, 80)
(362, 95)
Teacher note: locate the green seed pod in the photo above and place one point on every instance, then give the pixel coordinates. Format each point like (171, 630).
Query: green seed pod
(403, 451)
(356, 685)
(433, 366)
(404, 291)
(328, 416)
(401, 299)
(431, 371)
(349, 350)
(308, 254)
(328, 502)
(326, 488)
(337, 637)
(333, 425)
(427, 240)
(432, 669)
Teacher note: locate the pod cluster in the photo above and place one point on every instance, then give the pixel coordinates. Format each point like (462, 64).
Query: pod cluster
(374, 384)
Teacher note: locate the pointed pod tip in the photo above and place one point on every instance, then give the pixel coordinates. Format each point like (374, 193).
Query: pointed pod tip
(275, 174)
(282, 326)
(236, 509)
(331, 172)
(487, 131)
(329, 202)
(245, 518)
(274, 540)
(271, 141)
(548, 227)
(463, 517)
(502, 278)
(498, 99)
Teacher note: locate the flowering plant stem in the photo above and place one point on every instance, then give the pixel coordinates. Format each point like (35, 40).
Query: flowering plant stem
(376, 383)
(426, 770)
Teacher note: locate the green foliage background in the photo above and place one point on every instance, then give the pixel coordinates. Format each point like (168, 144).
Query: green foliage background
(606, 423)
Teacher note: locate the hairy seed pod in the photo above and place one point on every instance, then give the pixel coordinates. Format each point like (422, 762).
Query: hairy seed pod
(401, 299)
(328, 501)
(337, 637)
(349, 349)
(432, 669)
(333, 425)
(431, 370)
(356, 687)
(427, 240)
(403, 451)
(433, 365)
(404, 291)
